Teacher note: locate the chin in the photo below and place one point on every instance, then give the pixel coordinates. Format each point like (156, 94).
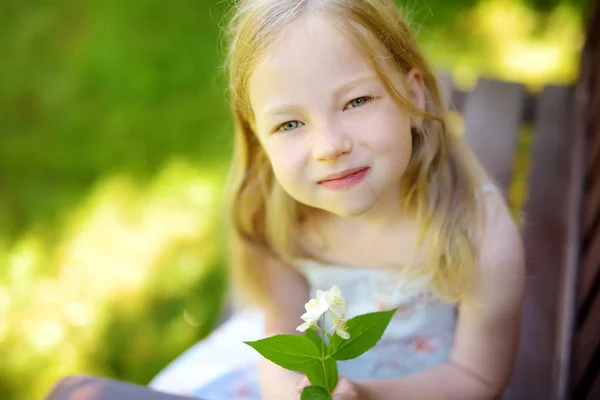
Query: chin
(351, 210)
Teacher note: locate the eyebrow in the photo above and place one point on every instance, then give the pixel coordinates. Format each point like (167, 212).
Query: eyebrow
(339, 92)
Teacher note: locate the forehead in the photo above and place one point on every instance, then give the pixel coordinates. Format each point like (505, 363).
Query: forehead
(315, 38)
(310, 54)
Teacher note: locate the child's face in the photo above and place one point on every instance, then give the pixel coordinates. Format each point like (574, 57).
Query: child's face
(319, 110)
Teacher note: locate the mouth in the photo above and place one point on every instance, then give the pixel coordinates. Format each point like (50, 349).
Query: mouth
(343, 175)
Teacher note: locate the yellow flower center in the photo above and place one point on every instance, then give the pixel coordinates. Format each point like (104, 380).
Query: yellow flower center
(337, 301)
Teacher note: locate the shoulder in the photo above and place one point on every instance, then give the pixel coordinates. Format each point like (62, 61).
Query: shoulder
(501, 267)
(489, 318)
(287, 291)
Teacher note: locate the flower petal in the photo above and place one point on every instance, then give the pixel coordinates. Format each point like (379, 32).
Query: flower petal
(304, 326)
(322, 300)
(337, 303)
(343, 333)
(339, 326)
(335, 291)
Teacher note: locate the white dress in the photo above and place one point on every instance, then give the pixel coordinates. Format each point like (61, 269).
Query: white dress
(419, 336)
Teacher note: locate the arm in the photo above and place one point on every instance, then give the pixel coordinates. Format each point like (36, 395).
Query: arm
(487, 332)
(289, 292)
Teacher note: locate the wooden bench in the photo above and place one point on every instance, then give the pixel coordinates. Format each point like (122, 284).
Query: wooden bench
(559, 352)
(585, 377)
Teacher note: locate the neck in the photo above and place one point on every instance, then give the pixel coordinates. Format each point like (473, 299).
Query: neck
(385, 215)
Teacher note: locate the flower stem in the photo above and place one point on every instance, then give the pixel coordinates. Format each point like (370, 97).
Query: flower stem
(329, 390)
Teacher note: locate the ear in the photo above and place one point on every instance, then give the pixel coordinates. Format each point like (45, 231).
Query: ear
(416, 87)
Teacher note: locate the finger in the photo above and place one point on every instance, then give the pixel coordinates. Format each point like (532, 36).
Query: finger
(344, 386)
(303, 383)
(344, 396)
(344, 390)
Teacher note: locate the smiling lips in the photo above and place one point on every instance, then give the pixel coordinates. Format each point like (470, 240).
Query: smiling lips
(346, 179)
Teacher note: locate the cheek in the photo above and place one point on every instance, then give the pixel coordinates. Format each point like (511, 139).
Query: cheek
(286, 160)
(391, 132)
(395, 141)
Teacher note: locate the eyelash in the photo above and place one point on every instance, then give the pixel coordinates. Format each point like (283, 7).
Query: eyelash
(368, 99)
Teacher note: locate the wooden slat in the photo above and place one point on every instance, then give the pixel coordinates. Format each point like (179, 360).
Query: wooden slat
(581, 122)
(528, 108)
(545, 235)
(593, 48)
(592, 203)
(590, 267)
(492, 118)
(569, 279)
(593, 26)
(591, 61)
(593, 160)
(594, 392)
(94, 388)
(587, 342)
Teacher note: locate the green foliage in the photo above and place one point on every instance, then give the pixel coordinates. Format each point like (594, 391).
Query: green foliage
(314, 337)
(365, 331)
(311, 355)
(292, 352)
(97, 87)
(324, 375)
(314, 393)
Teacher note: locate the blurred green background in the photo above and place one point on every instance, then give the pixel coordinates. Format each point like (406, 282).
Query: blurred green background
(114, 142)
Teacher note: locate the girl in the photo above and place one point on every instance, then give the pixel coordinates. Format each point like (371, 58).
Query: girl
(345, 172)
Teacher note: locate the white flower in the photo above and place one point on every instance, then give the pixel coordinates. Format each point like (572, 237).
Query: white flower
(332, 301)
(336, 303)
(315, 308)
(339, 326)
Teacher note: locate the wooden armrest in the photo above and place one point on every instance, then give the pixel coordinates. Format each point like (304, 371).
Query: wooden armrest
(93, 388)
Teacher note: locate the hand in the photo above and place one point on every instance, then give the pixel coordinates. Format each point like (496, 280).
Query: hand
(344, 390)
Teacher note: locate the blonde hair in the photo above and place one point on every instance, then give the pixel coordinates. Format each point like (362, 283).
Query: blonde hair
(440, 182)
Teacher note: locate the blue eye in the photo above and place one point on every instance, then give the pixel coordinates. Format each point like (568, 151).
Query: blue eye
(290, 125)
(359, 101)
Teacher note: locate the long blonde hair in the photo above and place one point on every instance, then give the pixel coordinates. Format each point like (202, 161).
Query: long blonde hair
(440, 182)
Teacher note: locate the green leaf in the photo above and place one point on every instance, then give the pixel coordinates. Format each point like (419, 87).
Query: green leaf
(365, 331)
(324, 374)
(292, 352)
(314, 393)
(315, 338)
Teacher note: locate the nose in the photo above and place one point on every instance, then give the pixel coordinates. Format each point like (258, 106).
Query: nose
(329, 144)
